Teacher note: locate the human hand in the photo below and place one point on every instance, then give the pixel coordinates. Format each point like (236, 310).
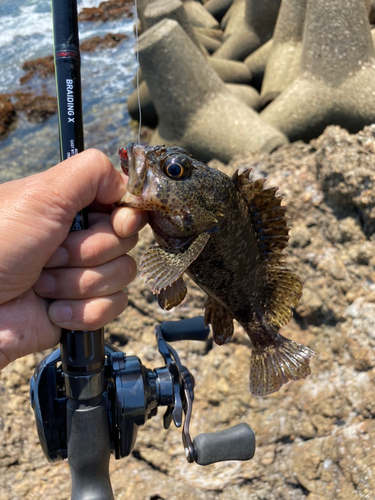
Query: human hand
(51, 278)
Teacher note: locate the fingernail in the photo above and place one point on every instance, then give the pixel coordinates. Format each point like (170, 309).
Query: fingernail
(46, 284)
(59, 313)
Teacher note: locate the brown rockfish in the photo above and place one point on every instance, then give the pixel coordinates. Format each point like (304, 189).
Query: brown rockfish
(227, 234)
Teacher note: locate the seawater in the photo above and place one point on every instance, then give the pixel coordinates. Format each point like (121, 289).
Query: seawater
(107, 81)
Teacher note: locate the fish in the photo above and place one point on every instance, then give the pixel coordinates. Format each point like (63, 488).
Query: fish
(228, 234)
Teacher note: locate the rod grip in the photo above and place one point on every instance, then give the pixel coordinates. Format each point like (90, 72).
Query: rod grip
(235, 443)
(89, 453)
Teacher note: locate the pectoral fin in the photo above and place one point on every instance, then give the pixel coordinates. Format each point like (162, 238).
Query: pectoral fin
(164, 268)
(172, 295)
(220, 320)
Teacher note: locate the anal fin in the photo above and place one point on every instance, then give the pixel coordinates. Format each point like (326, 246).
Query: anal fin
(172, 295)
(220, 319)
(280, 362)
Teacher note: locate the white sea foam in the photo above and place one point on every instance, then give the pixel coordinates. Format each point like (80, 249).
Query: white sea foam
(24, 20)
(88, 3)
(26, 33)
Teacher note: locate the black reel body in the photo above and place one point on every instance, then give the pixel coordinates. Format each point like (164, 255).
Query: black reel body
(132, 395)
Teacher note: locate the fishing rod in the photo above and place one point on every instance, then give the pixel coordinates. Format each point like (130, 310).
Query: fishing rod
(82, 352)
(88, 398)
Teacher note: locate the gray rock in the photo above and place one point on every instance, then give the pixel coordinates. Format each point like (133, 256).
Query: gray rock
(299, 236)
(348, 181)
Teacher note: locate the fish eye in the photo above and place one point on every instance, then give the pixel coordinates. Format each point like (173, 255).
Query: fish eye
(177, 167)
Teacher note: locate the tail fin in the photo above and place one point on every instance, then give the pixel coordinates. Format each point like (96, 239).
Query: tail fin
(278, 363)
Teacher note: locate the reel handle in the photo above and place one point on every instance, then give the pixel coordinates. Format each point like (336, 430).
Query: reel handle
(235, 443)
(185, 329)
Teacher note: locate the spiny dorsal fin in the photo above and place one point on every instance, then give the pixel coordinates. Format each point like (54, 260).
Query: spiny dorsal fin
(283, 289)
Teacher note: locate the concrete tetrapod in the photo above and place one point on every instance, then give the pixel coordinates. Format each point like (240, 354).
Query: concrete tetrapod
(370, 6)
(335, 85)
(199, 16)
(209, 43)
(232, 72)
(171, 9)
(284, 61)
(141, 6)
(244, 93)
(195, 109)
(218, 8)
(234, 18)
(250, 25)
(148, 112)
(256, 63)
(229, 13)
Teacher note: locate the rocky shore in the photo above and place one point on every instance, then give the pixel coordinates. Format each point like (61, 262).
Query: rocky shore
(316, 437)
(34, 102)
(111, 9)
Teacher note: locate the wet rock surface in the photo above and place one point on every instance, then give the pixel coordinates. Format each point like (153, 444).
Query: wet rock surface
(41, 66)
(107, 11)
(7, 114)
(33, 101)
(44, 66)
(36, 108)
(108, 41)
(316, 437)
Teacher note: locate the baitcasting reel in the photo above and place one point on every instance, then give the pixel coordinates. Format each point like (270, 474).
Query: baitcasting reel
(132, 395)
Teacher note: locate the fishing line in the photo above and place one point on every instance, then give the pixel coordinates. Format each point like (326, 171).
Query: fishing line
(137, 52)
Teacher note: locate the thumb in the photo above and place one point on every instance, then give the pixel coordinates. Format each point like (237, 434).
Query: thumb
(76, 182)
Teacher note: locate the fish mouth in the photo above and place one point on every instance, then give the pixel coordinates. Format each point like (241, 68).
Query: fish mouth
(133, 201)
(134, 165)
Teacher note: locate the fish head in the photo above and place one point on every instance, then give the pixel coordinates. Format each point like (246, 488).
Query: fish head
(185, 197)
